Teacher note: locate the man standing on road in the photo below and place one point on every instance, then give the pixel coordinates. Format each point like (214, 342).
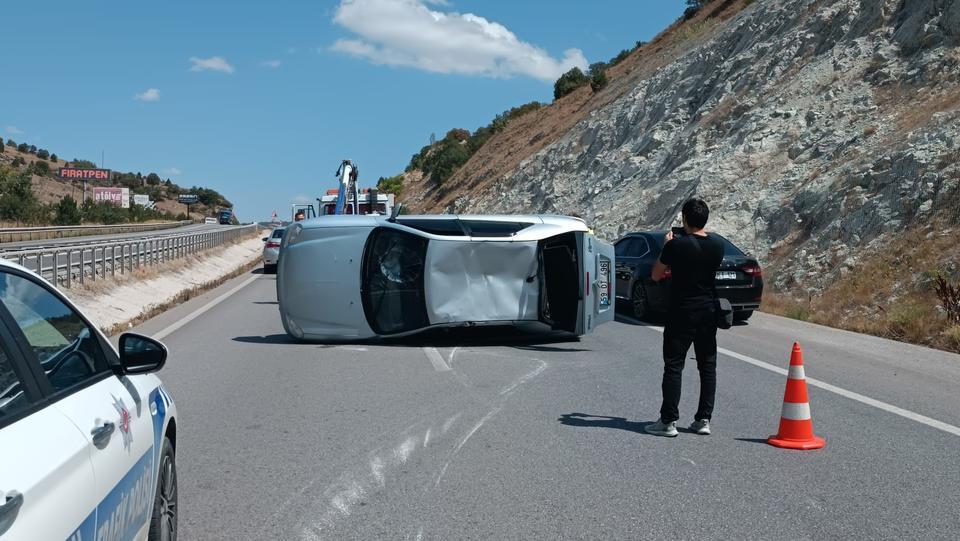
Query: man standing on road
(693, 257)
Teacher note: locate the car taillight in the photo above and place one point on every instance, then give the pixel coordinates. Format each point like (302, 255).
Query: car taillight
(273, 244)
(753, 270)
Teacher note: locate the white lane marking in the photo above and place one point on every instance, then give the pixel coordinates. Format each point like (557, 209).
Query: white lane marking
(523, 379)
(889, 408)
(426, 438)
(436, 359)
(200, 311)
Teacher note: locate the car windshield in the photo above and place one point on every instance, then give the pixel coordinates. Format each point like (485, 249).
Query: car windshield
(393, 293)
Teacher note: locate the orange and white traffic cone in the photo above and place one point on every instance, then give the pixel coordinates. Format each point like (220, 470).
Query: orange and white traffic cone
(796, 425)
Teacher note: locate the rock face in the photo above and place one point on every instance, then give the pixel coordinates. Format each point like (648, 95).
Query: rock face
(814, 128)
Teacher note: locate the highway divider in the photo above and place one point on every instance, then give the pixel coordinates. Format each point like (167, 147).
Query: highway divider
(19, 234)
(68, 265)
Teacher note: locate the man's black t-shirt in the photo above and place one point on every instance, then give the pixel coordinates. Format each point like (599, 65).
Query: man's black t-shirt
(694, 271)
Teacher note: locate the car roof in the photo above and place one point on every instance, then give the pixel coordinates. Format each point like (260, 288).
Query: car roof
(350, 220)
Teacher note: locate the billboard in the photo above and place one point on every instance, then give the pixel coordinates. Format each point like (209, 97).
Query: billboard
(75, 173)
(187, 198)
(142, 200)
(118, 196)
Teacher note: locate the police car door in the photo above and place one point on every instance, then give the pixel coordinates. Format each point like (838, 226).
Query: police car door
(46, 477)
(75, 367)
(598, 260)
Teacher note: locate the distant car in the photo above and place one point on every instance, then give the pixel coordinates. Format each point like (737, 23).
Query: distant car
(359, 277)
(87, 434)
(739, 279)
(271, 249)
(209, 220)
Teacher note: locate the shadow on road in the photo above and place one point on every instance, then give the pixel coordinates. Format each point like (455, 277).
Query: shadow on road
(445, 338)
(753, 440)
(603, 421)
(628, 320)
(265, 302)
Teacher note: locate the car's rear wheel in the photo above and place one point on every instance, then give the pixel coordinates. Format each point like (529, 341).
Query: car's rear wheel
(742, 316)
(639, 301)
(163, 523)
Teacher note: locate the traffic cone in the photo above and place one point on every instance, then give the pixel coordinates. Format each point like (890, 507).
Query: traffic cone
(796, 425)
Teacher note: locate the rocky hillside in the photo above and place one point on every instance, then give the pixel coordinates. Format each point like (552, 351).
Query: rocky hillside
(820, 131)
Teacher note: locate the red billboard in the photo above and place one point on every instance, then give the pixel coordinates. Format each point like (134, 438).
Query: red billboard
(75, 173)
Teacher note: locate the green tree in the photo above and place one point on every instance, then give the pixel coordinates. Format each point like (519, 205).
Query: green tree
(53, 157)
(66, 212)
(598, 80)
(41, 168)
(17, 200)
(11, 143)
(83, 164)
(33, 149)
(23, 147)
(43, 153)
(392, 185)
(153, 179)
(568, 82)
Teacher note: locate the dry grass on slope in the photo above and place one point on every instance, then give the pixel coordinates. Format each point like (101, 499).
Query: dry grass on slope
(891, 293)
(534, 131)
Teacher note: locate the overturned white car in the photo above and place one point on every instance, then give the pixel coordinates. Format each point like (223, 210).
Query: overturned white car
(361, 277)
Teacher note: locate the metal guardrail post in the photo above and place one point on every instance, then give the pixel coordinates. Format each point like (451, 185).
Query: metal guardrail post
(81, 267)
(69, 268)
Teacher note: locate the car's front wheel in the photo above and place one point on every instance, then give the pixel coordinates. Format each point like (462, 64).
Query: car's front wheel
(639, 301)
(163, 523)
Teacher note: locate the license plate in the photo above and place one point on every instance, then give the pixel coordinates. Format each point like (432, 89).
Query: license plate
(725, 275)
(603, 282)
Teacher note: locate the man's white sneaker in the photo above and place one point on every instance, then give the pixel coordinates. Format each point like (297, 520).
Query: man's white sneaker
(660, 428)
(701, 427)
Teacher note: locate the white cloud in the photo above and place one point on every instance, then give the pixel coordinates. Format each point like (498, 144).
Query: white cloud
(150, 94)
(172, 172)
(13, 130)
(214, 63)
(292, 50)
(408, 33)
(272, 64)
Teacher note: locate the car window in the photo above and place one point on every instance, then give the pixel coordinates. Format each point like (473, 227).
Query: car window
(446, 227)
(729, 248)
(65, 346)
(393, 294)
(486, 228)
(278, 233)
(12, 397)
(631, 247)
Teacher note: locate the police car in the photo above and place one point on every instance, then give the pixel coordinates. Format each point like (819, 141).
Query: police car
(87, 433)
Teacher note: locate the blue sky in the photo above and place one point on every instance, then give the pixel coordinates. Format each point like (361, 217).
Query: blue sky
(262, 100)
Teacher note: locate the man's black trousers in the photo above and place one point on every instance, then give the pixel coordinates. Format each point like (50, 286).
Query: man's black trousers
(677, 338)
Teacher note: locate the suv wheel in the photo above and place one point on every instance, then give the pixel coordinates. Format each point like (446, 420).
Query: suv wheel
(639, 301)
(163, 523)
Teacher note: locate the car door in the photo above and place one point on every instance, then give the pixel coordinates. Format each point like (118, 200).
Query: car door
(46, 476)
(77, 369)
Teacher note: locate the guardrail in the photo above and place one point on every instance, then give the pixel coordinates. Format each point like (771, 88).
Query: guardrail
(65, 266)
(17, 234)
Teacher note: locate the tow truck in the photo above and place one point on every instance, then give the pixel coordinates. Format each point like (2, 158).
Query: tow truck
(348, 198)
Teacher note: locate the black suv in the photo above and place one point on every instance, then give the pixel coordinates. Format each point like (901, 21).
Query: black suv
(739, 279)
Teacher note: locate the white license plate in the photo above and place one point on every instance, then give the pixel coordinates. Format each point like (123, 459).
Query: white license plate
(725, 275)
(603, 282)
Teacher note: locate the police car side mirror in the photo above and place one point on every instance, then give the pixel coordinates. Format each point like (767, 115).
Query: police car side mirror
(140, 354)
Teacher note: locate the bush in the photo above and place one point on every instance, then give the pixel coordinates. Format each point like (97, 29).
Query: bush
(11, 143)
(43, 154)
(949, 295)
(17, 200)
(83, 164)
(568, 82)
(392, 185)
(23, 147)
(153, 179)
(18, 161)
(2, 149)
(598, 80)
(40, 168)
(458, 134)
(33, 149)
(102, 212)
(66, 212)
(53, 157)
(620, 57)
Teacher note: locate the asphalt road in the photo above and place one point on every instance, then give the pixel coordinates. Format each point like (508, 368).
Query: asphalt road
(495, 435)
